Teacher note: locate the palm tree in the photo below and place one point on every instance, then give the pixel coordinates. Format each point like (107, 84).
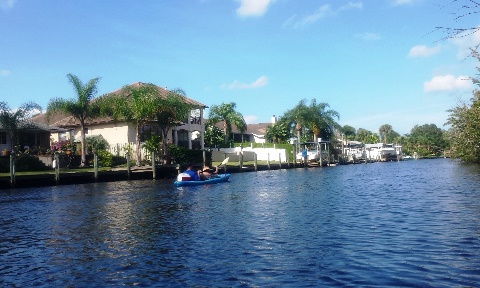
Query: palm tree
(226, 113)
(171, 111)
(277, 132)
(322, 121)
(81, 109)
(15, 121)
(136, 105)
(314, 119)
(384, 131)
(298, 118)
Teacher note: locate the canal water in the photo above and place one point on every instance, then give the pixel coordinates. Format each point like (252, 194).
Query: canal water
(410, 224)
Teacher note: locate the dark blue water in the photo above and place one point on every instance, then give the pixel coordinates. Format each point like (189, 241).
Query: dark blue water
(411, 224)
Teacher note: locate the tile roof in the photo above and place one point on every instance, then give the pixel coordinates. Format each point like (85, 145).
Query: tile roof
(257, 129)
(64, 120)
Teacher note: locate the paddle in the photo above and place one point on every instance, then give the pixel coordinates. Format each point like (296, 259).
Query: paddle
(223, 163)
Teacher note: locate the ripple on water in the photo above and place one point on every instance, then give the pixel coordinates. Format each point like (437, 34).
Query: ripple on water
(411, 224)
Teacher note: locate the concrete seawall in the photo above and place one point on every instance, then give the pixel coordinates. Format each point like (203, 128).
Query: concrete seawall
(119, 174)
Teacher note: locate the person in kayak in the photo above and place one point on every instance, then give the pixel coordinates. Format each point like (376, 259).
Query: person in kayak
(208, 173)
(194, 176)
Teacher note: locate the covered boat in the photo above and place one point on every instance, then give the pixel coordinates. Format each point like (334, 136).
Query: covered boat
(218, 179)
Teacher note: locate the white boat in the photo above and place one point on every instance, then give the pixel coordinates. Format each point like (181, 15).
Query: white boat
(311, 150)
(382, 152)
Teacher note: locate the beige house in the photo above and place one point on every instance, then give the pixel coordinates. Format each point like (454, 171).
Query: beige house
(190, 134)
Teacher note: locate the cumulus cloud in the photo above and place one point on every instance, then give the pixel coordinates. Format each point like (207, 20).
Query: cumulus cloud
(7, 4)
(260, 82)
(423, 51)
(447, 83)
(253, 7)
(4, 73)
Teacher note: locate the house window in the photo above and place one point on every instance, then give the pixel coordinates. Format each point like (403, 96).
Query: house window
(3, 137)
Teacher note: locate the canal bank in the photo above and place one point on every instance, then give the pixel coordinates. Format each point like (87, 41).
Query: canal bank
(67, 177)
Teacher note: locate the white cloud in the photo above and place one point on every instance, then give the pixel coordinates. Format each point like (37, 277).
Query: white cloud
(4, 73)
(320, 13)
(447, 83)
(260, 82)
(368, 36)
(423, 51)
(253, 7)
(7, 4)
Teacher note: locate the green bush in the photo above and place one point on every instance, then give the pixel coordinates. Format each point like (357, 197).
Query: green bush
(97, 142)
(184, 155)
(25, 162)
(104, 158)
(118, 160)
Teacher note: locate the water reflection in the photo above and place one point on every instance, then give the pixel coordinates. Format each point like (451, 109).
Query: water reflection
(385, 224)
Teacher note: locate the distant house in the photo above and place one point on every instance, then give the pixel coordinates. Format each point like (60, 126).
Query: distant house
(121, 133)
(32, 138)
(255, 133)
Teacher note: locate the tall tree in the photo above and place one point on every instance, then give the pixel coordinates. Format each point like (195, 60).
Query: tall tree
(81, 109)
(213, 135)
(384, 131)
(136, 105)
(171, 111)
(227, 114)
(298, 117)
(366, 136)
(349, 132)
(313, 120)
(15, 121)
(278, 132)
(427, 139)
(322, 120)
(464, 134)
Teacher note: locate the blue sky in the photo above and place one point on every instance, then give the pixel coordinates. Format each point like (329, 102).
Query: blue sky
(375, 62)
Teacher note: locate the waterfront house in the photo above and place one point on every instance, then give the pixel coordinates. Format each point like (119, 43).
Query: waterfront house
(255, 133)
(189, 134)
(34, 138)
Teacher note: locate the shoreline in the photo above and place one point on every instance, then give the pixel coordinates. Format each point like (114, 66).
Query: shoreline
(121, 174)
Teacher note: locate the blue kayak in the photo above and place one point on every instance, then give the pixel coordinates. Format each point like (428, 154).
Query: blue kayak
(221, 178)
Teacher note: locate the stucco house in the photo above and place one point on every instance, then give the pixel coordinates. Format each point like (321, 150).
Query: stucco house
(255, 133)
(121, 133)
(34, 138)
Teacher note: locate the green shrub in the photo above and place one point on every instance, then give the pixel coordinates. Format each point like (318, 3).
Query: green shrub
(118, 160)
(25, 162)
(184, 155)
(104, 158)
(97, 142)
